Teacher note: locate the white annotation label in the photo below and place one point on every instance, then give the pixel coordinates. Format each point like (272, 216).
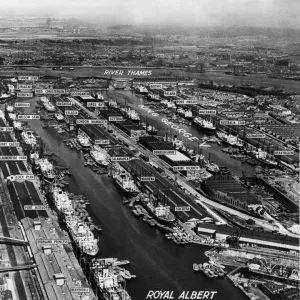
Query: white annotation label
(169, 93)
(71, 112)
(25, 95)
(147, 178)
(3, 129)
(117, 119)
(29, 117)
(28, 78)
(187, 101)
(9, 144)
(256, 136)
(182, 208)
(120, 158)
(61, 103)
(57, 241)
(186, 168)
(18, 104)
(155, 86)
(284, 152)
(95, 104)
(232, 122)
(16, 157)
(80, 290)
(164, 152)
(35, 207)
(102, 142)
(80, 93)
(91, 121)
(20, 177)
(50, 91)
(24, 86)
(207, 112)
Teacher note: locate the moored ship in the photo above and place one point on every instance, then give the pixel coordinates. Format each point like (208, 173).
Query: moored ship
(82, 235)
(99, 157)
(229, 139)
(125, 183)
(84, 141)
(28, 138)
(158, 209)
(205, 124)
(59, 117)
(107, 282)
(47, 169)
(49, 106)
(130, 113)
(263, 157)
(18, 126)
(61, 200)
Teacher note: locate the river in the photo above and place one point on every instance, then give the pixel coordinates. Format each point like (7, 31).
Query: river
(158, 263)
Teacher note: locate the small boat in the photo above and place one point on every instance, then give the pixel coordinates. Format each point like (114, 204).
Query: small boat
(209, 273)
(196, 267)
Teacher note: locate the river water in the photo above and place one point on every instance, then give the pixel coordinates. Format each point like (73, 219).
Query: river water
(158, 263)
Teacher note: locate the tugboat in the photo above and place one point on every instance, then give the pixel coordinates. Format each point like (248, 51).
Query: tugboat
(125, 183)
(212, 167)
(196, 267)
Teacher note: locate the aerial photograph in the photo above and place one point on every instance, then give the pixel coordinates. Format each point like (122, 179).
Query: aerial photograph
(149, 149)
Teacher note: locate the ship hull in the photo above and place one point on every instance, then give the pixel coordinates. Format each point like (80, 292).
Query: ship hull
(266, 163)
(158, 219)
(205, 128)
(125, 191)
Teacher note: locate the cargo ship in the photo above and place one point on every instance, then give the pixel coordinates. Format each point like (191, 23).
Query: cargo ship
(141, 90)
(28, 138)
(82, 235)
(130, 113)
(204, 124)
(44, 99)
(263, 157)
(84, 141)
(99, 157)
(49, 106)
(47, 169)
(158, 209)
(150, 129)
(112, 103)
(18, 126)
(108, 283)
(59, 117)
(230, 139)
(125, 183)
(153, 97)
(61, 200)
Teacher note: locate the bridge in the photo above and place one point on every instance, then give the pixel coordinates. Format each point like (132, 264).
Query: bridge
(18, 268)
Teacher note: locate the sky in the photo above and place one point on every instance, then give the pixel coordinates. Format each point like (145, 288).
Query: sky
(263, 13)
